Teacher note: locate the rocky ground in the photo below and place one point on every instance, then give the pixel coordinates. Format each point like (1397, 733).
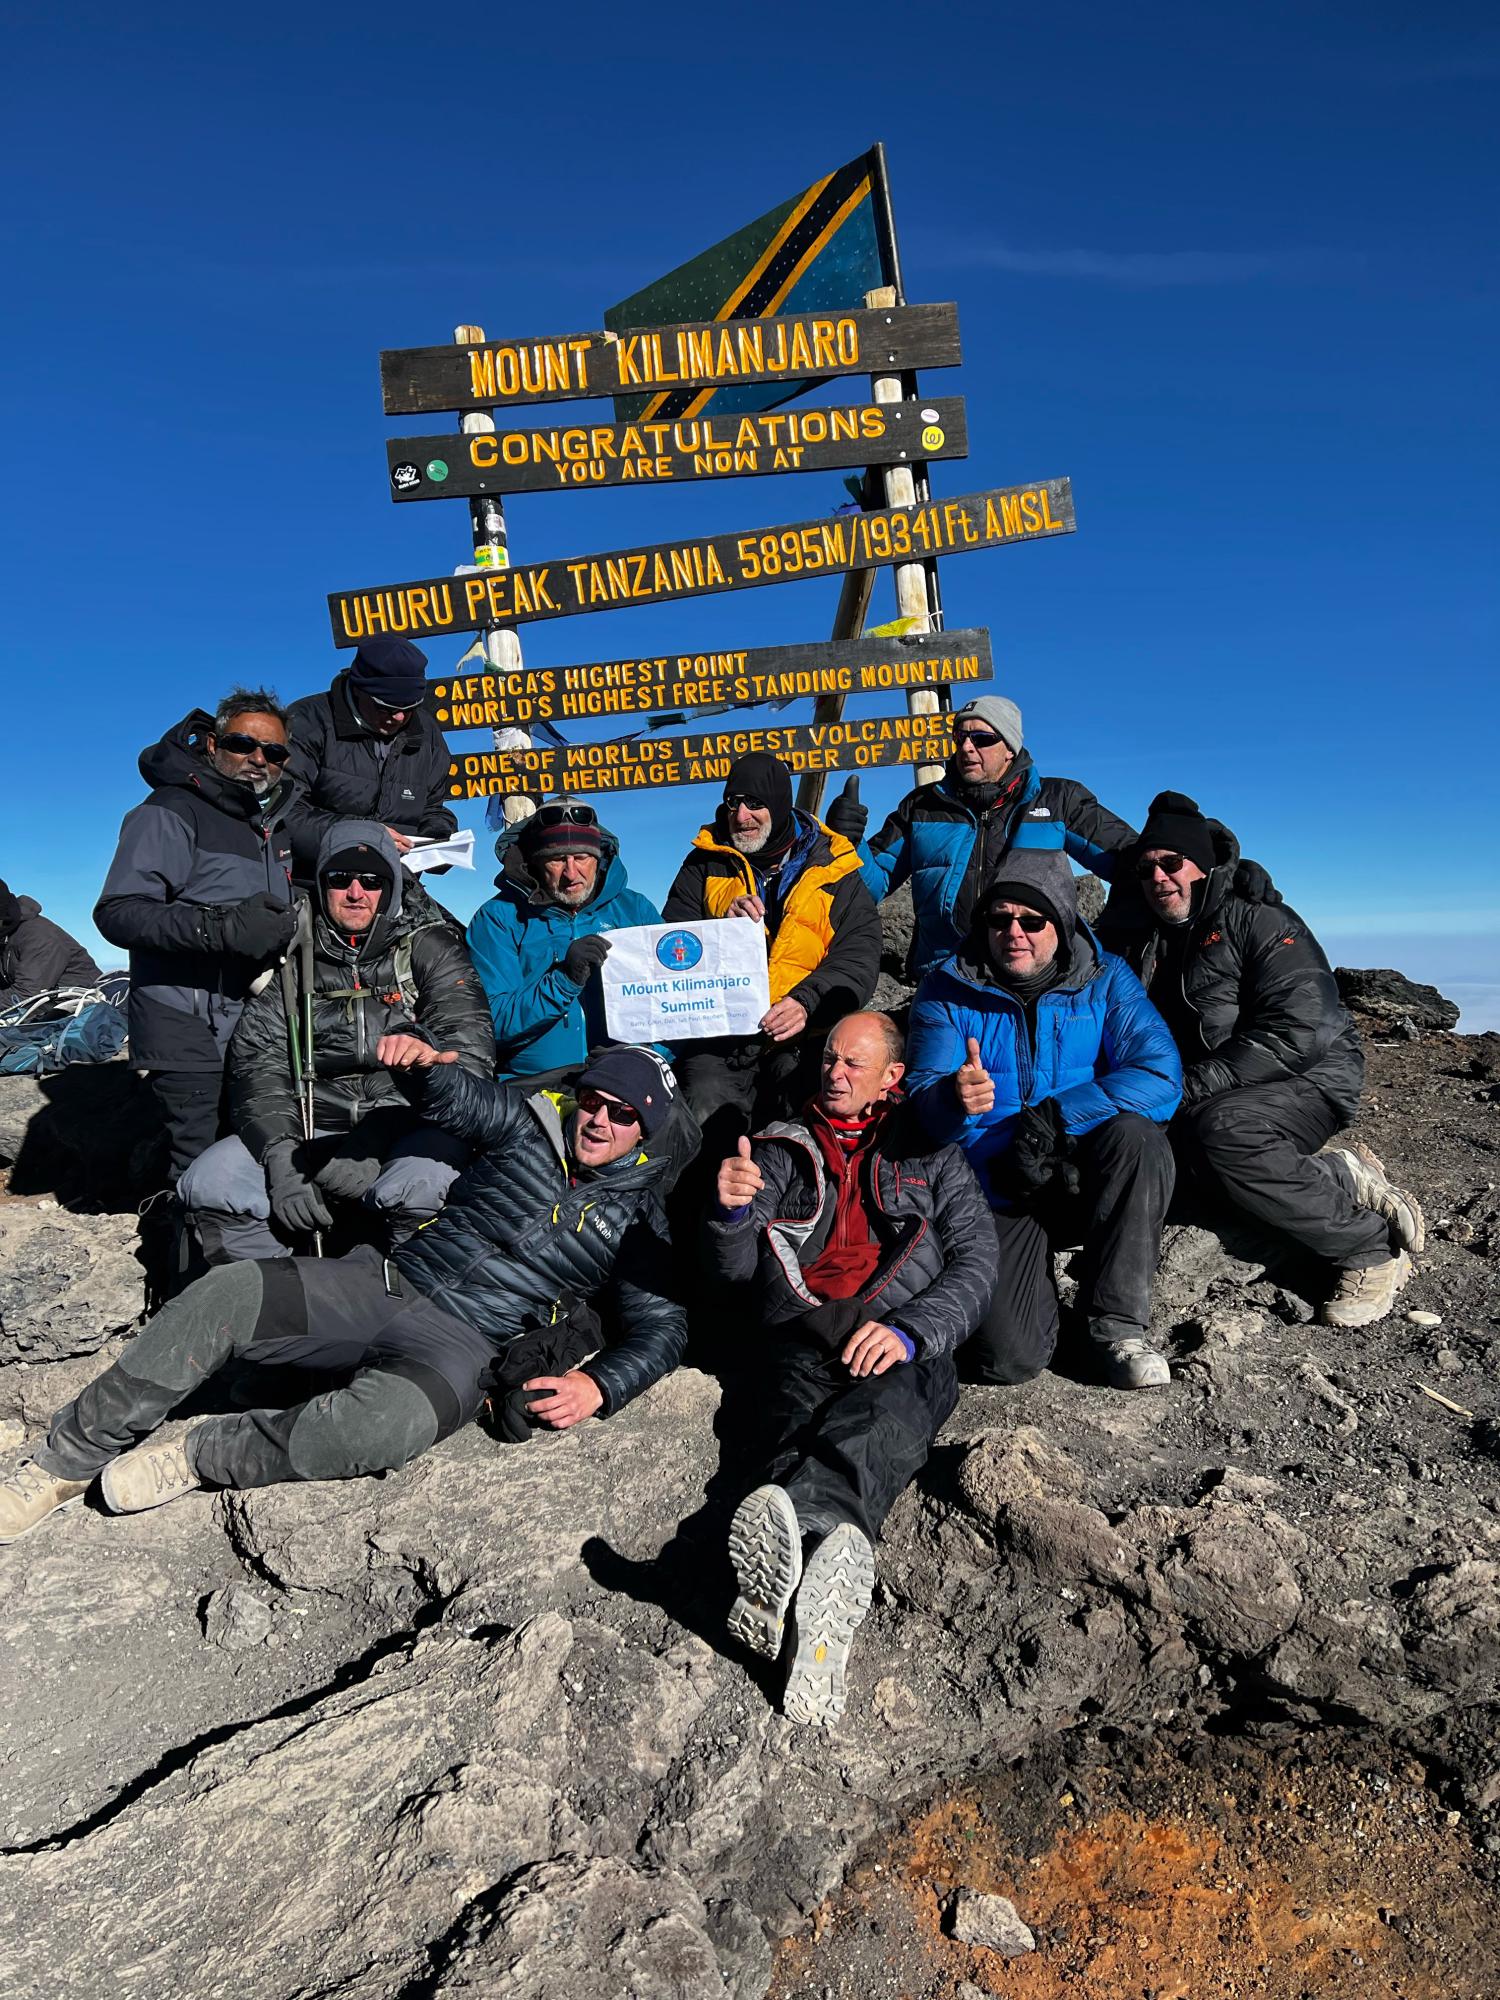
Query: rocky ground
(471, 1729)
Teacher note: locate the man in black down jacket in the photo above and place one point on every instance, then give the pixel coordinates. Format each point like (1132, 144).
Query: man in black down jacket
(383, 959)
(200, 893)
(36, 955)
(369, 749)
(873, 1258)
(1272, 1065)
(560, 1202)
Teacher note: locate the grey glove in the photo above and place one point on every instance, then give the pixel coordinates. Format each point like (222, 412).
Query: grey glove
(352, 1164)
(348, 1176)
(584, 957)
(259, 928)
(847, 816)
(295, 1202)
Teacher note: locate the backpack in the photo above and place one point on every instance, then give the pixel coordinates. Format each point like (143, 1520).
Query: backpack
(93, 1034)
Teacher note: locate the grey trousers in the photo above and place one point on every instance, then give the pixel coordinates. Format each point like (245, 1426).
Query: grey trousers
(417, 1374)
(224, 1192)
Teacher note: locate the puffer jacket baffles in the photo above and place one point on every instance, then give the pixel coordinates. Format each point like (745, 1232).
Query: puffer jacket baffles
(1256, 981)
(36, 955)
(542, 1020)
(200, 841)
(344, 771)
(527, 1232)
(823, 931)
(938, 1260)
(951, 852)
(409, 973)
(1100, 1045)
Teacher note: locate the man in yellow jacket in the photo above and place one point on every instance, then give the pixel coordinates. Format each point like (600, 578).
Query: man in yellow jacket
(763, 861)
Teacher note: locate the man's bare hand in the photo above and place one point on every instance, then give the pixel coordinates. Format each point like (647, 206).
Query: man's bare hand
(404, 841)
(749, 906)
(873, 1349)
(974, 1084)
(787, 1018)
(568, 1399)
(410, 1052)
(739, 1178)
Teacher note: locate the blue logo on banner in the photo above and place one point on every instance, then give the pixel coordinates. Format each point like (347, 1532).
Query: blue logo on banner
(679, 951)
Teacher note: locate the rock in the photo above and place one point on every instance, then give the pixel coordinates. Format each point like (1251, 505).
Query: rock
(1448, 1360)
(235, 1618)
(67, 1282)
(1425, 1318)
(1388, 998)
(991, 1921)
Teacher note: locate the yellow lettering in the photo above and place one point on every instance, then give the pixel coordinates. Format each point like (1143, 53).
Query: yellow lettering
(482, 450)
(482, 373)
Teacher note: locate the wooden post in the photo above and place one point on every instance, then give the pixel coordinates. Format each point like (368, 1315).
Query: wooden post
(502, 643)
(913, 599)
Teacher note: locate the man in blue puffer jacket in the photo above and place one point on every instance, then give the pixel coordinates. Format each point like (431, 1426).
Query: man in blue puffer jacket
(1040, 1054)
(537, 945)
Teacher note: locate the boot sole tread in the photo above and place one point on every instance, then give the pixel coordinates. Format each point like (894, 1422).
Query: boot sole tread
(765, 1547)
(837, 1587)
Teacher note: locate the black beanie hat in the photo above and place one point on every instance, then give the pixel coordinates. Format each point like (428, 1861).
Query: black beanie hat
(639, 1077)
(392, 670)
(764, 778)
(1174, 822)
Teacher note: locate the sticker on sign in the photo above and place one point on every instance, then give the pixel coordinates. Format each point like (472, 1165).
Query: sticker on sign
(680, 982)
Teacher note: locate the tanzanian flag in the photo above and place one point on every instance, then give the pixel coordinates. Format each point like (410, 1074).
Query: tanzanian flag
(818, 252)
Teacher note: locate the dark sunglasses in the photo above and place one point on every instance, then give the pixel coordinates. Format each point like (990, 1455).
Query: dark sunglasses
(620, 1114)
(345, 878)
(563, 815)
(396, 707)
(1169, 864)
(1002, 920)
(982, 739)
(733, 799)
(246, 746)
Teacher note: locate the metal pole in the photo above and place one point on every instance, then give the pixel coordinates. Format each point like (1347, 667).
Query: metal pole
(502, 643)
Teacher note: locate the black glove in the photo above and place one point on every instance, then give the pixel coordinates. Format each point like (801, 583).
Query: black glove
(1253, 883)
(1037, 1154)
(584, 957)
(352, 1164)
(295, 1202)
(259, 928)
(847, 816)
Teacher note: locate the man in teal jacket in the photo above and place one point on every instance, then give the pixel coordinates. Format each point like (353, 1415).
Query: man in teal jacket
(537, 945)
(1040, 1055)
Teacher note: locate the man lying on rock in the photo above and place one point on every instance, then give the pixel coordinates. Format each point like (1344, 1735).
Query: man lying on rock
(379, 956)
(1272, 1065)
(872, 1258)
(560, 1202)
(1038, 1053)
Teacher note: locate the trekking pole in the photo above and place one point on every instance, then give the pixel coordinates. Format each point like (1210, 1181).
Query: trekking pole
(306, 1069)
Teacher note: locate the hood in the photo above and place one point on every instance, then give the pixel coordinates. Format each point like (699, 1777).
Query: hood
(13, 910)
(178, 759)
(347, 833)
(1050, 873)
(517, 881)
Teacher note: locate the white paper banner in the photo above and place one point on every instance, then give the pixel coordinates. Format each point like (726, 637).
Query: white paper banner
(679, 982)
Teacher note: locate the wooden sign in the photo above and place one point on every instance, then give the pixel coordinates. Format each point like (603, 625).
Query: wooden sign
(704, 354)
(682, 682)
(558, 460)
(653, 761)
(671, 570)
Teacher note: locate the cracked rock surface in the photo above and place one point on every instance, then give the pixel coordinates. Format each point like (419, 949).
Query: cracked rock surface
(472, 1728)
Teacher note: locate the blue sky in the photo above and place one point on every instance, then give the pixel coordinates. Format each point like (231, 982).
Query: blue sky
(1231, 270)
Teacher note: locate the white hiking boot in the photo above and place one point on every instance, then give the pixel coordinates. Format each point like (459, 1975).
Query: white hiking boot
(837, 1586)
(1372, 1189)
(1135, 1364)
(29, 1495)
(1362, 1297)
(149, 1476)
(765, 1546)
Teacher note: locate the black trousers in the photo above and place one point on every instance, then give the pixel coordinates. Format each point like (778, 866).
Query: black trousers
(846, 1447)
(187, 1102)
(737, 1085)
(1126, 1172)
(417, 1375)
(1255, 1148)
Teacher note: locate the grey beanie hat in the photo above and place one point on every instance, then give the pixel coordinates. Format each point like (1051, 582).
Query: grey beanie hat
(1002, 716)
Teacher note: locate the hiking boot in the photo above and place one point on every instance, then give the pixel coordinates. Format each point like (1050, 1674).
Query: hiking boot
(1135, 1364)
(765, 1546)
(1372, 1189)
(837, 1586)
(29, 1495)
(149, 1476)
(1364, 1296)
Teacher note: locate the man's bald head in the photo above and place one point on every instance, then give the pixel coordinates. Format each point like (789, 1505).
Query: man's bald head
(863, 1061)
